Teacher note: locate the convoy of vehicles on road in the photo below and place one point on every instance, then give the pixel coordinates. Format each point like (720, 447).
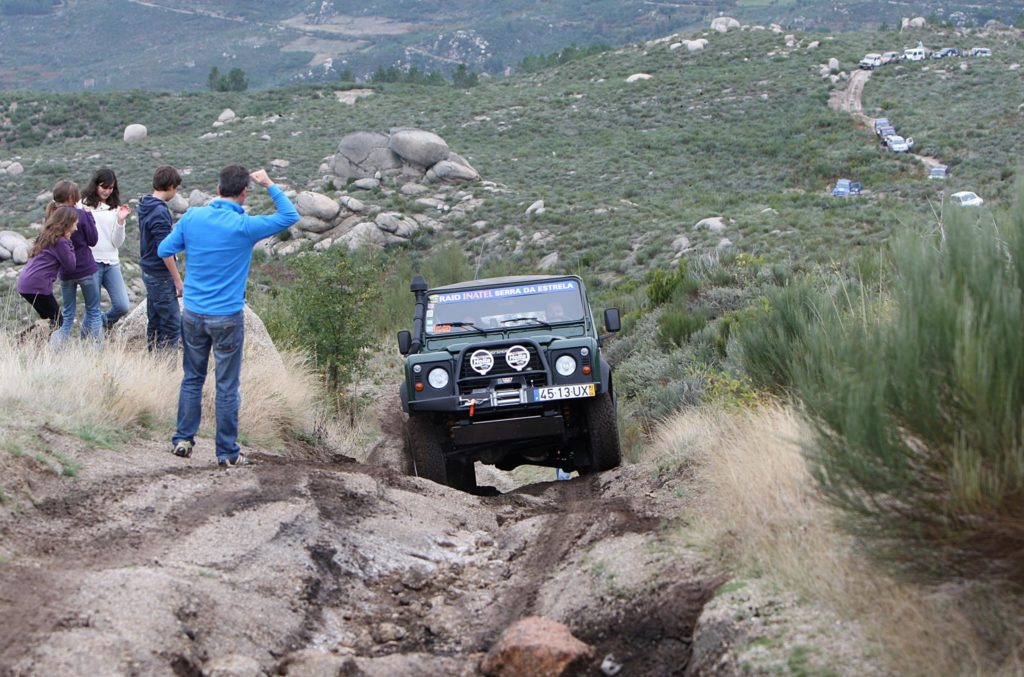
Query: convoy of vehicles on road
(874, 60)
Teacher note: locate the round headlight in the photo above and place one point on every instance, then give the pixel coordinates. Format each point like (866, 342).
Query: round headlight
(437, 378)
(565, 365)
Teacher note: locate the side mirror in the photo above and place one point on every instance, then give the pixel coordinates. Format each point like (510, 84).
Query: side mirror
(611, 320)
(404, 342)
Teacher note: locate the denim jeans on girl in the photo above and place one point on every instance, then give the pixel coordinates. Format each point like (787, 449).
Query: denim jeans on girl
(92, 320)
(110, 279)
(162, 310)
(225, 336)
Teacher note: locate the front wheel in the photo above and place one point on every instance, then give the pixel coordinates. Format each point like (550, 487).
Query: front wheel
(603, 433)
(423, 439)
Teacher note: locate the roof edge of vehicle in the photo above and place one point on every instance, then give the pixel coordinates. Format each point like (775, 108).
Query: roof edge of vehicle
(501, 281)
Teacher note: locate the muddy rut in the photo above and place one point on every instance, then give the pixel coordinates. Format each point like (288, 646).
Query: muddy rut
(165, 566)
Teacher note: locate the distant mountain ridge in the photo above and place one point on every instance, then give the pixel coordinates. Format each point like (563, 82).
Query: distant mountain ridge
(68, 45)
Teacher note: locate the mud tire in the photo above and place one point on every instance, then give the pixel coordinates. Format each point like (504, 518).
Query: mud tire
(426, 451)
(461, 475)
(603, 433)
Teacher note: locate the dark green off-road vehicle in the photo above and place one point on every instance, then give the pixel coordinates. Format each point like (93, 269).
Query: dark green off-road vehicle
(507, 371)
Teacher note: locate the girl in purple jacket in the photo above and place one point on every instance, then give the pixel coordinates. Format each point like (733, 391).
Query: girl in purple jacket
(51, 254)
(84, 274)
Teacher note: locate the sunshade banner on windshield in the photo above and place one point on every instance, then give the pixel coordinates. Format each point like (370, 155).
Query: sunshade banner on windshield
(501, 292)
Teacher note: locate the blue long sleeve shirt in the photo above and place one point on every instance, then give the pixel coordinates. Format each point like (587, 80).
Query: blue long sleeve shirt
(217, 240)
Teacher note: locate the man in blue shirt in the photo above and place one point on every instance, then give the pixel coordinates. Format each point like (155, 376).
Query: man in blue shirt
(217, 240)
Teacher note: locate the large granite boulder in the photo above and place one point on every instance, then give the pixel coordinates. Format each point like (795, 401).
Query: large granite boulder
(723, 24)
(258, 345)
(135, 133)
(418, 147)
(362, 154)
(317, 205)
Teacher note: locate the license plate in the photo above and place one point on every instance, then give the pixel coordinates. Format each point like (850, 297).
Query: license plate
(563, 392)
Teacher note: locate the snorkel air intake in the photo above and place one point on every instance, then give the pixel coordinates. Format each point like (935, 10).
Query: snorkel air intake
(419, 290)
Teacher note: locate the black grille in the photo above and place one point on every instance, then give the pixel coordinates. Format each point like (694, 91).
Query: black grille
(501, 367)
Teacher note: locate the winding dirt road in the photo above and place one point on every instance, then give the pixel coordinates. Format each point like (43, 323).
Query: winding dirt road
(849, 100)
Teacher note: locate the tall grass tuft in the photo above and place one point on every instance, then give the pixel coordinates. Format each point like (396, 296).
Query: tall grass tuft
(917, 399)
(111, 391)
(755, 505)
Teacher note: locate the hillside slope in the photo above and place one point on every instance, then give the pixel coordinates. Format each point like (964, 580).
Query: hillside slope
(173, 44)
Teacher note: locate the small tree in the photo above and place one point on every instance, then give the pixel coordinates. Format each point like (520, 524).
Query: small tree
(330, 305)
(463, 78)
(237, 81)
(234, 81)
(213, 79)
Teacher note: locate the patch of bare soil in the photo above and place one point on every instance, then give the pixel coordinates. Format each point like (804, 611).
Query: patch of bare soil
(144, 563)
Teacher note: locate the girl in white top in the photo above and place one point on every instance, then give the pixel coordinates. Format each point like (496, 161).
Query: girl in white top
(102, 198)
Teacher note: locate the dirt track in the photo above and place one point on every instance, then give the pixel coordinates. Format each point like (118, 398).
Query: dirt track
(149, 564)
(849, 99)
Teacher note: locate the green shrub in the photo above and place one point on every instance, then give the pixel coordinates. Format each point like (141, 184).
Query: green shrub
(770, 344)
(676, 325)
(917, 399)
(662, 287)
(327, 310)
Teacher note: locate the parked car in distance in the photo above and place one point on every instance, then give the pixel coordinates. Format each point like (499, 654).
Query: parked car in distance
(846, 188)
(881, 122)
(890, 57)
(870, 61)
(898, 144)
(918, 53)
(946, 51)
(981, 51)
(885, 132)
(966, 198)
(938, 172)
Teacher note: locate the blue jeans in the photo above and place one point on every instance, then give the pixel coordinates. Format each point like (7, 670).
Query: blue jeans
(162, 310)
(110, 279)
(225, 335)
(92, 319)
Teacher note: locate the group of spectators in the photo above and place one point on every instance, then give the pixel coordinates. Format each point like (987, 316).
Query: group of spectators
(79, 245)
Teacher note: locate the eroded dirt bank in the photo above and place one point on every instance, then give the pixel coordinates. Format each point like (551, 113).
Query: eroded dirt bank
(147, 564)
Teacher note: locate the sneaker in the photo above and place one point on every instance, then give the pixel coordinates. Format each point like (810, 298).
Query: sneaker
(241, 459)
(184, 448)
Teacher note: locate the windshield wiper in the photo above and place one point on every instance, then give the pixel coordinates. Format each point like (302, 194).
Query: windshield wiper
(462, 324)
(527, 318)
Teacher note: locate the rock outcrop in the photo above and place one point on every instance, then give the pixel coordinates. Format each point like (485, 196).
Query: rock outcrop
(258, 345)
(415, 153)
(724, 24)
(135, 132)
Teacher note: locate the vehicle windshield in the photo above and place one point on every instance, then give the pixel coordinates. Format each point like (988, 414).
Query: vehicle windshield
(504, 307)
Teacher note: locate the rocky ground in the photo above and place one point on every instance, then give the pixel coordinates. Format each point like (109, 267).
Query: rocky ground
(148, 564)
(143, 563)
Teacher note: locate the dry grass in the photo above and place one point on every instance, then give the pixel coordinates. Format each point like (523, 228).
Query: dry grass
(756, 506)
(120, 387)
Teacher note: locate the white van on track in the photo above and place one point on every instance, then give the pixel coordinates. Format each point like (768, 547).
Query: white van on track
(918, 53)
